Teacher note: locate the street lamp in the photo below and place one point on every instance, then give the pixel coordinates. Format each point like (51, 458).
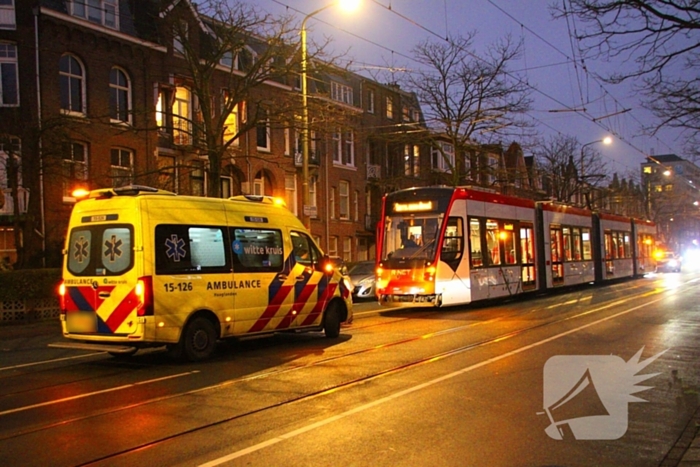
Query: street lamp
(607, 140)
(347, 5)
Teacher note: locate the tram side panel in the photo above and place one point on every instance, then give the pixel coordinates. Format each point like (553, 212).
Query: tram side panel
(567, 245)
(501, 256)
(616, 245)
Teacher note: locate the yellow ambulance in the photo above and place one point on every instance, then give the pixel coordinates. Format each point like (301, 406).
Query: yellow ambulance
(145, 267)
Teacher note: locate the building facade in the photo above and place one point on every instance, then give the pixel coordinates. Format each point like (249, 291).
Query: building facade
(99, 94)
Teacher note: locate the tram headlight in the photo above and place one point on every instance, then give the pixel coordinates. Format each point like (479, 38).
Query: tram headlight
(429, 274)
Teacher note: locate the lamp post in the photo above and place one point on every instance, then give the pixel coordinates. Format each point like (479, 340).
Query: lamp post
(607, 140)
(305, 133)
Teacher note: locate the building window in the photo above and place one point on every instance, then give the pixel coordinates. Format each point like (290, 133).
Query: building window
(333, 246)
(7, 14)
(102, 12)
(416, 160)
(226, 186)
(9, 86)
(10, 168)
(349, 149)
(197, 178)
(259, 186)
(180, 35)
(344, 148)
(407, 160)
(75, 169)
(122, 167)
(344, 195)
(167, 179)
(331, 203)
(182, 116)
(312, 193)
(389, 108)
(347, 249)
(119, 96)
(231, 125)
(443, 158)
(263, 133)
(341, 93)
(72, 84)
(370, 102)
(492, 175)
(290, 191)
(405, 114)
(356, 206)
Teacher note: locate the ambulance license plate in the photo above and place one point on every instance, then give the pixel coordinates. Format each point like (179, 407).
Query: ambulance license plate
(81, 322)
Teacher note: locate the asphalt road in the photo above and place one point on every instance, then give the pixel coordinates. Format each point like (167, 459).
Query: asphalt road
(484, 386)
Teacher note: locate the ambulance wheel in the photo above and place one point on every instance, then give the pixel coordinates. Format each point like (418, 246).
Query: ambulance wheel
(199, 339)
(331, 321)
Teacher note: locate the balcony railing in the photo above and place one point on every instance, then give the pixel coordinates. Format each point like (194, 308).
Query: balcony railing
(313, 159)
(8, 207)
(374, 171)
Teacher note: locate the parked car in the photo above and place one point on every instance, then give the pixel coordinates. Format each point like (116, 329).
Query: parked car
(668, 261)
(341, 266)
(362, 276)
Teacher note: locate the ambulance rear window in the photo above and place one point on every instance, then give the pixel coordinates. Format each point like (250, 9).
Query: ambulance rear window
(100, 250)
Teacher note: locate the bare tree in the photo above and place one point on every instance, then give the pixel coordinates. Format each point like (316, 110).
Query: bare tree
(466, 96)
(660, 39)
(264, 47)
(570, 172)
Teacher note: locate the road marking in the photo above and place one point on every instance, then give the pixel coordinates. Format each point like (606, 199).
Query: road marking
(43, 362)
(95, 393)
(396, 395)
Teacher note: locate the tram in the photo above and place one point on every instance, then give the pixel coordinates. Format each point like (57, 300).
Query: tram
(440, 246)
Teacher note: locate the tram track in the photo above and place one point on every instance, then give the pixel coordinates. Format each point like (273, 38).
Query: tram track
(349, 383)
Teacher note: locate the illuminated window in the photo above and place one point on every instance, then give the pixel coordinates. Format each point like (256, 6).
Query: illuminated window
(182, 116)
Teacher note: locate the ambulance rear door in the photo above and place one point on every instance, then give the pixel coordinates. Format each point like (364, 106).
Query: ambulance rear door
(101, 273)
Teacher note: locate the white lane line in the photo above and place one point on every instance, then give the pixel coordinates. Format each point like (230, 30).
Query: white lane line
(94, 393)
(396, 395)
(44, 362)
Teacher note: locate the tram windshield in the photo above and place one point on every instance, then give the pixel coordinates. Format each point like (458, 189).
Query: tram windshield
(411, 237)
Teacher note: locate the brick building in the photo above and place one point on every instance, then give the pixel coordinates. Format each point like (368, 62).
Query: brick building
(98, 93)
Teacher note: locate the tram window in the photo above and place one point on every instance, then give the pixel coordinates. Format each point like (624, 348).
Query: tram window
(509, 242)
(475, 243)
(608, 245)
(493, 246)
(526, 247)
(628, 248)
(576, 244)
(615, 245)
(555, 237)
(566, 237)
(453, 241)
(586, 243)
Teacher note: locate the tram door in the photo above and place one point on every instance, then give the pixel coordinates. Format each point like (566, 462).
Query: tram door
(557, 244)
(527, 256)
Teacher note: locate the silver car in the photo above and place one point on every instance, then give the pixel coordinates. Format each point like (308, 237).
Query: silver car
(362, 277)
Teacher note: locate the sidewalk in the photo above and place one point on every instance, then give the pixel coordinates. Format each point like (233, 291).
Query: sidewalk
(686, 450)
